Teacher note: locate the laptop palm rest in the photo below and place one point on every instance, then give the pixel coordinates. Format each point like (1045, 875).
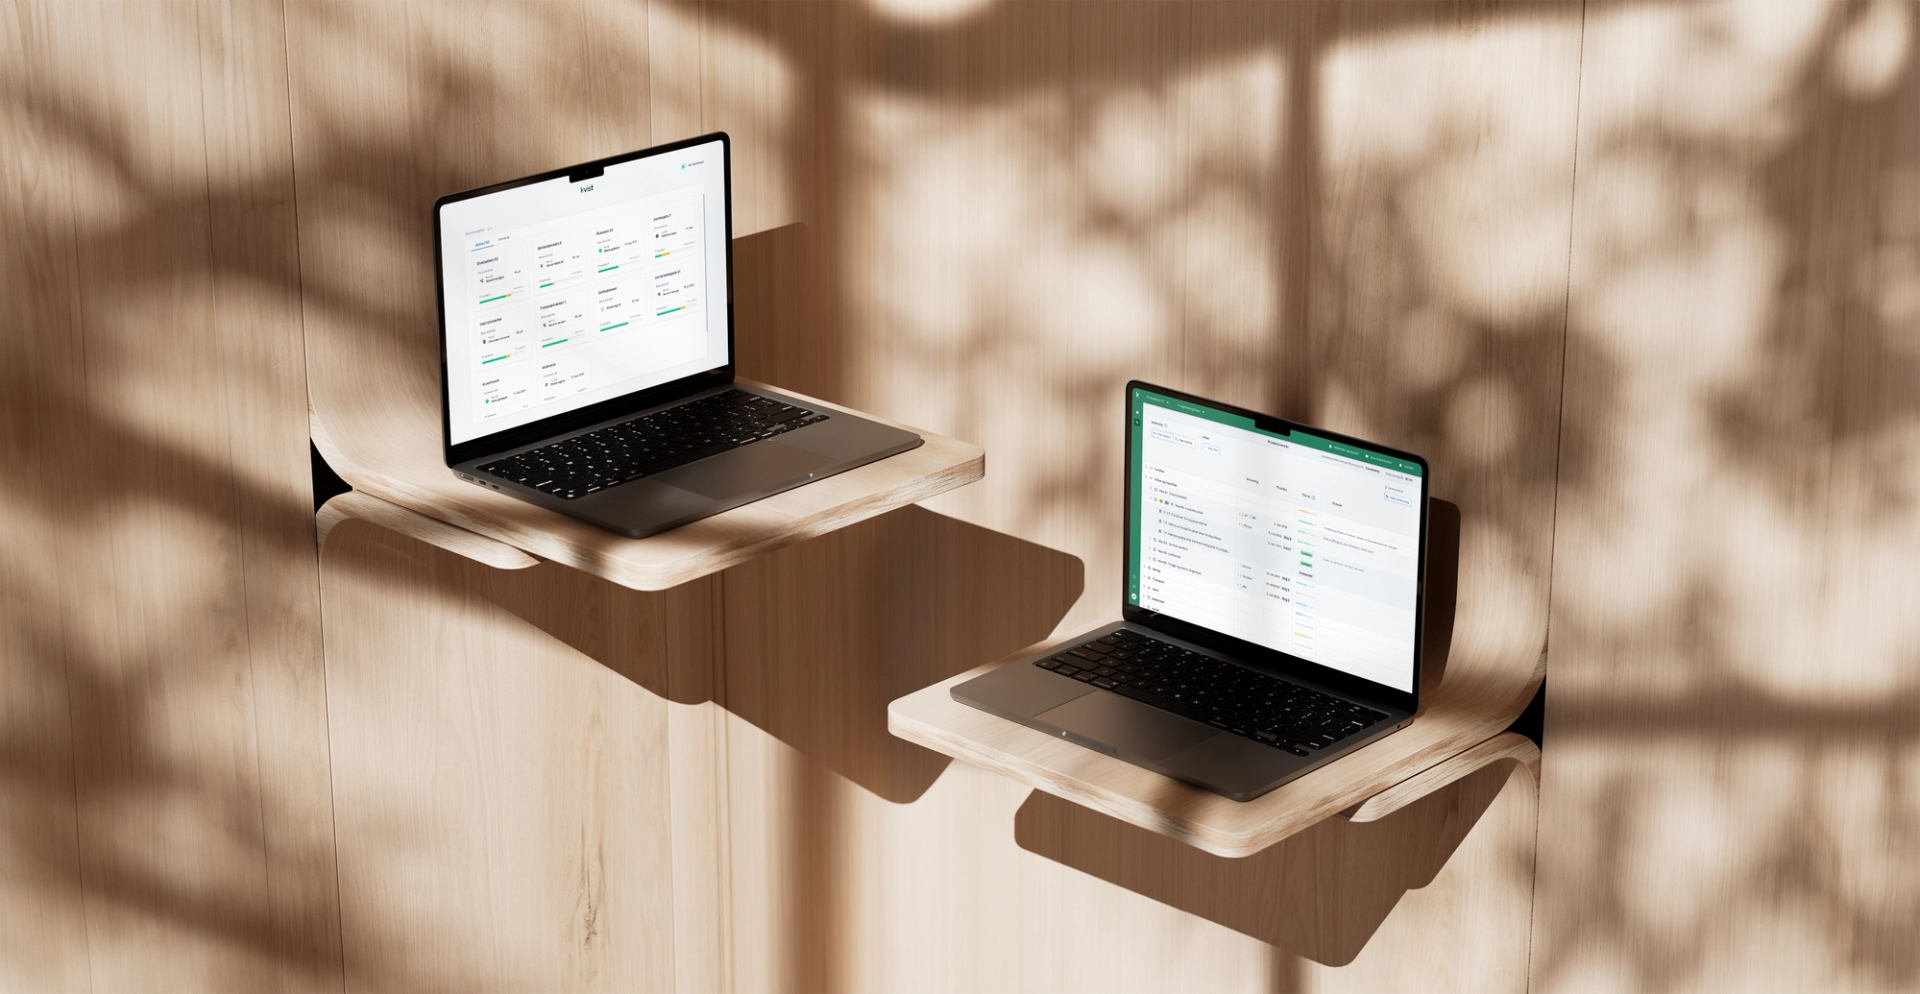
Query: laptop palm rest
(1126, 726)
(747, 470)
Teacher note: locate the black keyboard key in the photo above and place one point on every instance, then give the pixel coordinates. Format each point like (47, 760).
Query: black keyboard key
(1092, 657)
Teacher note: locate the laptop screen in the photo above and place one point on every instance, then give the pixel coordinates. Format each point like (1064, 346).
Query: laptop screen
(564, 293)
(1293, 541)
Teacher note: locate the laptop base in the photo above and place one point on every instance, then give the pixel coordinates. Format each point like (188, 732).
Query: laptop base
(1174, 745)
(654, 504)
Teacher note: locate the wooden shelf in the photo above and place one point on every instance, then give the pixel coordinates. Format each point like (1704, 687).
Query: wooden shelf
(1470, 706)
(398, 460)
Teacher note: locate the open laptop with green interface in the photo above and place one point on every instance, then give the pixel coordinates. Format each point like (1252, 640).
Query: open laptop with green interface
(1271, 609)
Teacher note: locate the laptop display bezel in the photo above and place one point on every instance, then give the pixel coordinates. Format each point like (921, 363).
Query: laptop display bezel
(1280, 663)
(606, 410)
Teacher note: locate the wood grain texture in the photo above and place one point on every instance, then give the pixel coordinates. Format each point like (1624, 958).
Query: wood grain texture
(1323, 893)
(1356, 214)
(1205, 820)
(1727, 798)
(365, 177)
(417, 477)
(1508, 747)
(1237, 199)
(1465, 700)
(451, 682)
(1245, 201)
(171, 827)
(502, 800)
(434, 532)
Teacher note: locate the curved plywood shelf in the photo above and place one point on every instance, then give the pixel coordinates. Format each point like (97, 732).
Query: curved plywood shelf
(1461, 716)
(1507, 747)
(375, 397)
(366, 507)
(392, 451)
(1474, 685)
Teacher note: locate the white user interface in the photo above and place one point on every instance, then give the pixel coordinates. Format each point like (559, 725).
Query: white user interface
(1296, 542)
(563, 294)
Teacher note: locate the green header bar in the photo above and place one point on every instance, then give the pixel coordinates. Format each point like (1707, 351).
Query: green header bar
(1296, 436)
(1137, 403)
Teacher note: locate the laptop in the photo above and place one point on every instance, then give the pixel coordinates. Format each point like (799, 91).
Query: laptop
(586, 348)
(1271, 603)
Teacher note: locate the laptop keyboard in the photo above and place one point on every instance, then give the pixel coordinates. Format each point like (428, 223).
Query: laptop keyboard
(1247, 703)
(624, 452)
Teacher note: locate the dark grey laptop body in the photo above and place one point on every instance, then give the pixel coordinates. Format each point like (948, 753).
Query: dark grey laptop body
(1185, 746)
(675, 496)
(708, 486)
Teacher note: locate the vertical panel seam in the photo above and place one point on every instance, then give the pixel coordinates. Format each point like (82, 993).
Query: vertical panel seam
(1559, 458)
(319, 588)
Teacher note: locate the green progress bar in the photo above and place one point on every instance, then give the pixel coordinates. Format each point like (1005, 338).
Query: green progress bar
(610, 327)
(670, 310)
(494, 359)
(554, 342)
(603, 269)
(488, 300)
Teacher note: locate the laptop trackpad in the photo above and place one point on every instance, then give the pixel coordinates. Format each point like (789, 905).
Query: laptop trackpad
(1129, 726)
(746, 470)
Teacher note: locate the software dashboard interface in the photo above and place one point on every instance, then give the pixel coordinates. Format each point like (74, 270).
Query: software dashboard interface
(1294, 542)
(562, 294)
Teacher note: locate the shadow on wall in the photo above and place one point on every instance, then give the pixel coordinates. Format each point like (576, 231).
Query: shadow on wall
(1320, 894)
(1747, 264)
(1365, 215)
(914, 597)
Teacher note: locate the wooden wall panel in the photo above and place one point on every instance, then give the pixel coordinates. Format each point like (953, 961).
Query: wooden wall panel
(1236, 199)
(1346, 906)
(502, 801)
(167, 804)
(1728, 796)
(394, 105)
(986, 204)
(1364, 215)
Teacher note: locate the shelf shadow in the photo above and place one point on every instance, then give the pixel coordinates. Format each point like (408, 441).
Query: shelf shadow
(1321, 894)
(1441, 595)
(810, 643)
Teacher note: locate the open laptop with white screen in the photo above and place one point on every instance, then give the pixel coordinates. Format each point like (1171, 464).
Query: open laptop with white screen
(1271, 603)
(586, 335)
